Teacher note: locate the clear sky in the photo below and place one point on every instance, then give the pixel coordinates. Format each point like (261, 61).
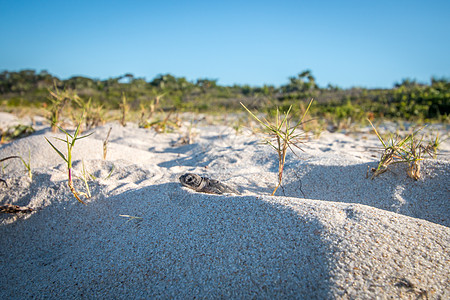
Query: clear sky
(345, 43)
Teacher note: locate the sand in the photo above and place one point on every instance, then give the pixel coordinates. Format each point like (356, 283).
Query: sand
(328, 233)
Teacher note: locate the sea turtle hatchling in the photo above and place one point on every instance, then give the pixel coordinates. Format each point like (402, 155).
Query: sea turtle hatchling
(205, 185)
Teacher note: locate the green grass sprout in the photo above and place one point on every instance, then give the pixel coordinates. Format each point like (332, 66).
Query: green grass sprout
(28, 165)
(110, 172)
(70, 143)
(4, 167)
(281, 136)
(84, 178)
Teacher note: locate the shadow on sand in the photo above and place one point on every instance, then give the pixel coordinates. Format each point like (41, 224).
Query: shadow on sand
(186, 245)
(393, 190)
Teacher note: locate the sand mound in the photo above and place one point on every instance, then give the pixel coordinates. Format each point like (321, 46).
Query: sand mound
(330, 232)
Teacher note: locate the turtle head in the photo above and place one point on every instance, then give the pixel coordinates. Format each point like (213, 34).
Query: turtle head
(190, 180)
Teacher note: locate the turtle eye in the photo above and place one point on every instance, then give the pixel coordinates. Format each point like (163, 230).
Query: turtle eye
(189, 179)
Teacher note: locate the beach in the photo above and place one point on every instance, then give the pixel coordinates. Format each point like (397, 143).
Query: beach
(329, 232)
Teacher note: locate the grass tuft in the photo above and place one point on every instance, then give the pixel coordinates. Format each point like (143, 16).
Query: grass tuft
(70, 143)
(15, 132)
(409, 150)
(281, 136)
(58, 99)
(124, 108)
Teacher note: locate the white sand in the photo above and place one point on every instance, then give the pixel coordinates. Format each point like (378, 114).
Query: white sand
(329, 233)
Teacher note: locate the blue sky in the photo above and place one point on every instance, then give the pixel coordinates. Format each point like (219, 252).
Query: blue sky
(345, 43)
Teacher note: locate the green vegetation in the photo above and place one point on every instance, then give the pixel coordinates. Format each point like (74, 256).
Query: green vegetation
(408, 100)
(85, 175)
(26, 165)
(124, 108)
(281, 136)
(58, 99)
(409, 150)
(15, 132)
(70, 143)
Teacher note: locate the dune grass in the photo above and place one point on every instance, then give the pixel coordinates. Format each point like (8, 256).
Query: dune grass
(15, 132)
(58, 100)
(94, 112)
(105, 144)
(85, 175)
(124, 109)
(409, 150)
(281, 136)
(70, 143)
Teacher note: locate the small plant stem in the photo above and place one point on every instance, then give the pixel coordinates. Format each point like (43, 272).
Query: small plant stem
(283, 135)
(28, 167)
(72, 189)
(124, 108)
(110, 172)
(70, 144)
(281, 161)
(88, 191)
(105, 144)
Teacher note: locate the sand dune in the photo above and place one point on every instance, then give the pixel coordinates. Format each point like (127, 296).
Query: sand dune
(328, 233)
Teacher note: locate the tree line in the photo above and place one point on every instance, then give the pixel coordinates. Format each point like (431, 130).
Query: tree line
(408, 99)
